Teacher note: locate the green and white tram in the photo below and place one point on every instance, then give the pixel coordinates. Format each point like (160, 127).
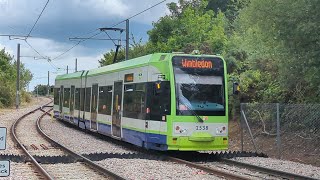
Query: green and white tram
(162, 101)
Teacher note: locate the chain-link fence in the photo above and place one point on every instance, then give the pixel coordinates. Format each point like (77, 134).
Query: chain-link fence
(284, 131)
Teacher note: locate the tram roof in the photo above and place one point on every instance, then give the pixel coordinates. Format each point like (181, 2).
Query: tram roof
(128, 64)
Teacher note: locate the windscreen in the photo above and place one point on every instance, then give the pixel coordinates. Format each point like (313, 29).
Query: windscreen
(199, 85)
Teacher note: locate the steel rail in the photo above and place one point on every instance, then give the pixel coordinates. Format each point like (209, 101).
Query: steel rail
(265, 170)
(77, 156)
(208, 169)
(15, 138)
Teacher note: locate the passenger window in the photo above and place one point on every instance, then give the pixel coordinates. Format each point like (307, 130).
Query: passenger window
(105, 100)
(134, 101)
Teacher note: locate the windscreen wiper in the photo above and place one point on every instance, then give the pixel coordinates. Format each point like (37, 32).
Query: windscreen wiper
(194, 113)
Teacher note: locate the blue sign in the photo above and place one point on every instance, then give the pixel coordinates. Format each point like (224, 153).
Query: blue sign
(4, 168)
(3, 137)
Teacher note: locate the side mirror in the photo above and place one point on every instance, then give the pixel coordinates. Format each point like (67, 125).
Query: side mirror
(236, 88)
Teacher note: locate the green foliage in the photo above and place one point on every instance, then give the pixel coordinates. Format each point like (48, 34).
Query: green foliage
(271, 47)
(8, 75)
(7, 80)
(137, 49)
(283, 44)
(42, 90)
(25, 97)
(189, 27)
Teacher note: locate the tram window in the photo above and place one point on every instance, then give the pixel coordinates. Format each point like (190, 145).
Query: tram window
(159, 104)
(87, 100)
(82, 99)
(66, 98)
(134, 101)
(128, 87)
(105, 100)
(56, 96)
(77, 99)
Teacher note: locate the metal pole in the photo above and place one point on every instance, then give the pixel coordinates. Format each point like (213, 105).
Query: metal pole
(48, 85)
(67, 69)
(127, 39)
(278, 132)
(252, 139)
(18, 78)
(241, 128)
(37, 92)
(76, 68)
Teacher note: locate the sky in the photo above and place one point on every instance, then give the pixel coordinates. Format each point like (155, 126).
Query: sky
(62, 20)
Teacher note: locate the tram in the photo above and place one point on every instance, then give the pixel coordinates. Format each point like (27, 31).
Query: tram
(161, 101)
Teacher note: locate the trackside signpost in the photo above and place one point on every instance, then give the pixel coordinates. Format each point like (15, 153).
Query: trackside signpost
(4, 165)
(4, 168)
(3, 137)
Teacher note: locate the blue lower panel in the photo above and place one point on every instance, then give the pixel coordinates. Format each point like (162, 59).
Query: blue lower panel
(56, 113)
(104, 129)
(147, 140)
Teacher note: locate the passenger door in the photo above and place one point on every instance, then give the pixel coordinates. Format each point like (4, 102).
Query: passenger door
(94, 105)
(61, 98)
(72, 104)
(117, 109)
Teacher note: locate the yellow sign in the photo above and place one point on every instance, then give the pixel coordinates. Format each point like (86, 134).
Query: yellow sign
(128, 78)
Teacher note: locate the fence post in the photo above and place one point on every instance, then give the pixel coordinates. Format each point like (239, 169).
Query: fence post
(252, 139)
(241, 126)
(278, 132)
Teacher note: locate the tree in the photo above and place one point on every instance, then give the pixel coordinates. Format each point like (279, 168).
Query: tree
(137, 49)
(8, 75)
(190, 26)
(282, 41)
(42, 90)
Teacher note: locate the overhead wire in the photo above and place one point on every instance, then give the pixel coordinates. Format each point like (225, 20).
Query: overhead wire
(111, 38)
(80, 41)
(33, 48)
(44, 57)
(25, 40)
(139, 13)
(37, 19)
(75, 46)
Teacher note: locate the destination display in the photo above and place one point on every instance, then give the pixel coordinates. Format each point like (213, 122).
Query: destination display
(198, 65)
(187, 63)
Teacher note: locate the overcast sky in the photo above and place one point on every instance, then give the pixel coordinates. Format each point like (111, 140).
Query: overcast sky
(64, 19)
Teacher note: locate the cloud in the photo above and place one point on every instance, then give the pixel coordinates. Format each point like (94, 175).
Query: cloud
(64, 19)
(87, 58)
(101, 8)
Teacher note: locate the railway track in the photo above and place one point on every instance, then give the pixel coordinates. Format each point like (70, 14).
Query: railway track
(224, 168)
(240, 165)
(38, 148)
(274, 172)
(210, 170)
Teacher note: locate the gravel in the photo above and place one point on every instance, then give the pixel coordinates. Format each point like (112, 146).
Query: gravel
(239, 171)
(129, 168)
(83, 143)
(77, 140)
(282, 165)
(8, 116)
(22, 171)
(72, 171)
(28, 135)
(151, 169)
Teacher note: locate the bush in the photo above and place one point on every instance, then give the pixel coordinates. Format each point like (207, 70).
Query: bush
(25, 97)
(7, 96)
